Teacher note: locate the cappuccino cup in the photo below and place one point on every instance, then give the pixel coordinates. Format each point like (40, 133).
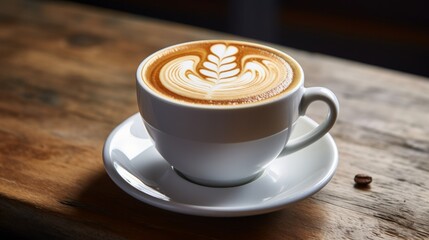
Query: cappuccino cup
(220, 111)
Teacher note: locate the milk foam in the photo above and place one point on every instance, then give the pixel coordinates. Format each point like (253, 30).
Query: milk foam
(220, 72)
(224, 74)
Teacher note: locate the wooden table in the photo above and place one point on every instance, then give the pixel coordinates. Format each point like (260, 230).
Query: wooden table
(67, 79)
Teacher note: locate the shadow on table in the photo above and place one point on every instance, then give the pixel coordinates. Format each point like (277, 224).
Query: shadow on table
(115, 211)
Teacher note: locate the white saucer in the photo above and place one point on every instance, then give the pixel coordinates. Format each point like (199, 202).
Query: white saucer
(137, 168)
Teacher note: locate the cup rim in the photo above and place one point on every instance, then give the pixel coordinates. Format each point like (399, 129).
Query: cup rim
(294, 64)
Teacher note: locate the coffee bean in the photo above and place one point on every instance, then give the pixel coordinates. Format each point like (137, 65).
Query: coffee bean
(363, 179)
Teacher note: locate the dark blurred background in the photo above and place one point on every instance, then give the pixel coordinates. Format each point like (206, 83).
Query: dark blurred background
(392, 34)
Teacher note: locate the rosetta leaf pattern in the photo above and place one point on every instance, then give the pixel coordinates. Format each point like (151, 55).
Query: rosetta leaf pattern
(220, 65)
(224, 74)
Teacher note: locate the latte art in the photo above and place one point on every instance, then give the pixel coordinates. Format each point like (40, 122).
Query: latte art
(220, 73)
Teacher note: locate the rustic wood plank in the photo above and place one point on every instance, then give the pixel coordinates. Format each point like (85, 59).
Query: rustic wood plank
(67, 79)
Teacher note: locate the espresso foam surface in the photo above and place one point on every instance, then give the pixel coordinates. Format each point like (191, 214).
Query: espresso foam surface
(218, 73)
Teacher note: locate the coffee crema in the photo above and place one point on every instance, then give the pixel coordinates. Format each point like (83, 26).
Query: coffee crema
(218, 72)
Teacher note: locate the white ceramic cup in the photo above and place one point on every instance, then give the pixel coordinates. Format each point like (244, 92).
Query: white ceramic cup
(222, 146)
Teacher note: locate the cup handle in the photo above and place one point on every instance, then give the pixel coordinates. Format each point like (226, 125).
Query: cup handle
(310, 95)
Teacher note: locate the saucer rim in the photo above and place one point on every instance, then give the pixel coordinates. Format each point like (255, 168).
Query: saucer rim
(216, 211)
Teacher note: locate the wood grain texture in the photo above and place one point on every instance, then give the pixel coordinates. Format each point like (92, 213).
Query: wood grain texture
(67, 79)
